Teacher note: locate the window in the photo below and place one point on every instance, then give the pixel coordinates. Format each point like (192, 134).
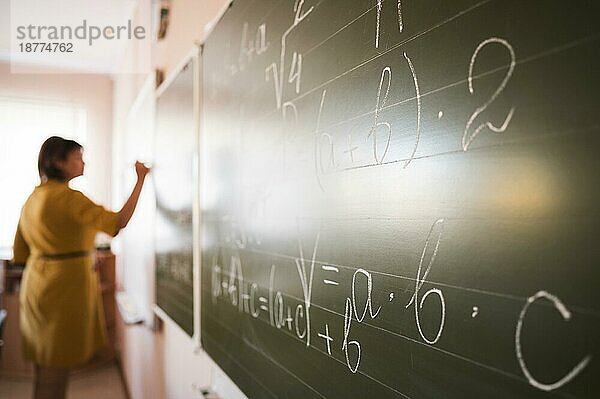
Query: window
(24, 125)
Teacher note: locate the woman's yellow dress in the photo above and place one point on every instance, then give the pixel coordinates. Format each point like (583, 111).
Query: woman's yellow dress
(61, 314)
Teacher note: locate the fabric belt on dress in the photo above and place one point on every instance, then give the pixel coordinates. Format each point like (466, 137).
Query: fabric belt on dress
(68, 255)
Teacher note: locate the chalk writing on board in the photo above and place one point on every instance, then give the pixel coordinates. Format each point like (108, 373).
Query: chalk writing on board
(252, 308)
(379, 104)
(327, 337)
(418, 97)
(328, 141)
(357, 311)
(420, 280)
(271, 285)
(419, 311)
(278, 310)
(379, 6)
(468, 137)
(289, 319)
(351, 311)
(264, 305)
(289, 115)
(368, 300)
(236, 280)
(324, 142)
(346, 343)
(350, 148)
(299, 315)
(317, 151)
(400, 21)
(254, 46)
(296, 70)
(174, 265)
(566, 315)
(278, 70)
(328, 268)
(215, 280)
(306, 278)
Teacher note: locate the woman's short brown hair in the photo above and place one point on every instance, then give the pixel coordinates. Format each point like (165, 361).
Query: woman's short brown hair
(53, 150)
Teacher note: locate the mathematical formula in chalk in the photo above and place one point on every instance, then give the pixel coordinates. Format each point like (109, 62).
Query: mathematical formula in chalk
(400, 195)
(292, 315)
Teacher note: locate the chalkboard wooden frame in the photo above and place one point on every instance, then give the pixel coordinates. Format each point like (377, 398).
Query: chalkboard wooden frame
(194, 60)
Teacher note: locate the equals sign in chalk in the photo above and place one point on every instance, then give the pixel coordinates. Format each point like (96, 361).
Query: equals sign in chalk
(263, 300)
(328, 268)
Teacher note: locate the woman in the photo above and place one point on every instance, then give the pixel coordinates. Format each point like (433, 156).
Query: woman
(60, 311)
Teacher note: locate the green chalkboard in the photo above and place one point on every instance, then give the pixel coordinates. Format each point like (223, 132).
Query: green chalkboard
(401, 200)
(173, 177)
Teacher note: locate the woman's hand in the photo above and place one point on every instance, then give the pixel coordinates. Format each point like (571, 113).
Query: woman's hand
(141, 170)
(127, 211)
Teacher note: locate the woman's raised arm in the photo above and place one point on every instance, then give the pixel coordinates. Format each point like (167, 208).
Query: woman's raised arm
(127, 211)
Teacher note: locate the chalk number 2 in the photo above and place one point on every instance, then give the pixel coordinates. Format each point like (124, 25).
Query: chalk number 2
(470, 134)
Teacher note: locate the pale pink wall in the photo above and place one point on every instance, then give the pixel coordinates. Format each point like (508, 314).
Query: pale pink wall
(94, 93)
(188, 19)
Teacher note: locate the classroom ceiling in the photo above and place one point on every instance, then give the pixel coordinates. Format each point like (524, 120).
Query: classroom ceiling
(97, 58)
